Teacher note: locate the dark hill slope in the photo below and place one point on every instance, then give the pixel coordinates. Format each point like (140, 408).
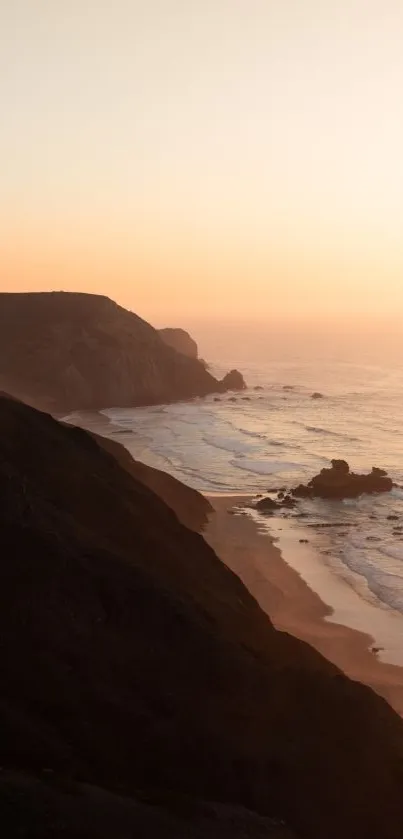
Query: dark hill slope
(190, 506)
(50, 808)
(63, 351)
(131, 657)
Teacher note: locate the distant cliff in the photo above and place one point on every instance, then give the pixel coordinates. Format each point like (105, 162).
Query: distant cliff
(133, 660)
(62, 351)
(180, 340)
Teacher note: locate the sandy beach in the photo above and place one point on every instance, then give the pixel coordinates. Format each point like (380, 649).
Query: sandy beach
(288, 594)
(292, 606)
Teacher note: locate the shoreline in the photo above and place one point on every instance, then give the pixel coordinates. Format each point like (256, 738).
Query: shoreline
(301, 594)
(292, 605)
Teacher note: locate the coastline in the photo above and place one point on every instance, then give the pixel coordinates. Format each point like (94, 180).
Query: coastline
(301, 594)
(291, 604)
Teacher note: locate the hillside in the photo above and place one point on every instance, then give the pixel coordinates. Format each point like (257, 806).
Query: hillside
(134, 660)
(61, 351)
(191, 508)
(180, 340)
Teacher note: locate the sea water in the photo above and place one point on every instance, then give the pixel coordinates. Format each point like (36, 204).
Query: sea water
(277, 436)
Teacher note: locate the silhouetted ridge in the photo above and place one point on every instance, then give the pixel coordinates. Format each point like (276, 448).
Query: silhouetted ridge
(190, 506)
(133, 659)
(63, 351)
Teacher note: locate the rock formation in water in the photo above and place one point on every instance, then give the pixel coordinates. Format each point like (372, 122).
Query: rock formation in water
(64, 351)
(233, 381)
(338, 482)
(270, 506)
(180, 340)
(141, 680)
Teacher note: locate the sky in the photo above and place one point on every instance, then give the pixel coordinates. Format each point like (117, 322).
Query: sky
(205, 159)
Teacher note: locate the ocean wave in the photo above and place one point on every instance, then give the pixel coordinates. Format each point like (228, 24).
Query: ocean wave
(385, 585)
(393, 552)
(265, 467)
(259, 435)
(317, 429)
(191, 475)
(227, 444)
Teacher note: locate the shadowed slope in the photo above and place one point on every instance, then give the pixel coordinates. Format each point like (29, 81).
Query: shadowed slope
(190, 506)
(49, 807)
(131, 657)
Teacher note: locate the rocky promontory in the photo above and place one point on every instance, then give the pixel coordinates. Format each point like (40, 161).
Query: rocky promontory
(180, 340)
(63, 351)
(338, 482)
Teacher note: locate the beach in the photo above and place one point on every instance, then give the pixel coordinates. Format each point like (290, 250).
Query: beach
(291, 604)
(314, 590)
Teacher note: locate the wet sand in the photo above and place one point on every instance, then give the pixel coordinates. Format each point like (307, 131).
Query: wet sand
(292, 605)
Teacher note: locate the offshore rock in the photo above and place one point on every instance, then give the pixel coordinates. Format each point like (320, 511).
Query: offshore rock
(234, 380)
(269, 506)
(338, 482)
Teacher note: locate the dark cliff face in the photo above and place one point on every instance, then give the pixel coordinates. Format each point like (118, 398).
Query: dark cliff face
(62, 351)
(191, 508)
(180, 340)
(132, 658)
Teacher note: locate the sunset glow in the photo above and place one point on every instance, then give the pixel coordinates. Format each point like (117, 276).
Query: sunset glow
(237, 158)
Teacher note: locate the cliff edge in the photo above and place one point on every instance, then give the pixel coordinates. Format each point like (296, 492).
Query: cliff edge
(61, 351)
(190, 506)
(133, 659)
(180, 340)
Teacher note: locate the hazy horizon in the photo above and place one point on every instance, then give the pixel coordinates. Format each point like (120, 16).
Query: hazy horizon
(225, 159)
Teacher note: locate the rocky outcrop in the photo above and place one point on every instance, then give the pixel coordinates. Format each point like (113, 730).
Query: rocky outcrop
(63, 351)
(233, 381)
(180, 340)
(338, 482)
(270, 506)
(133, 660)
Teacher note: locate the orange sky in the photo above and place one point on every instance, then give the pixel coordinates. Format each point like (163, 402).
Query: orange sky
(227, 157)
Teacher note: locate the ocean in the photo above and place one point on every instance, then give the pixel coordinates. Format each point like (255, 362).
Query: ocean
(278, 436)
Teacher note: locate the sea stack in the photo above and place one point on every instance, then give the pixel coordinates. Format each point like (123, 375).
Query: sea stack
(338, 482)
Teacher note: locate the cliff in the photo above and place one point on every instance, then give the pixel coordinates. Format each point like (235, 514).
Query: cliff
(62, 351)
(191, 508)
(132, 660)
(180, 340)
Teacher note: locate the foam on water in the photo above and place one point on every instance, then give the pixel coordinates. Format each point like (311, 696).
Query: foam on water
(327, 433)
(264, 467)
(281, 435)
(229, 444)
